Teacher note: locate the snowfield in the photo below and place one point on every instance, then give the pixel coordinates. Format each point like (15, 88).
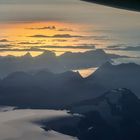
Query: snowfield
(21, 125)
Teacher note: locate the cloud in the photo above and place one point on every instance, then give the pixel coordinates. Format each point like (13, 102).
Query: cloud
(29, 43)
(44, 28)
(5, 45)
(65, 36)
(68, 47)
(65, 29)
(4, 40)
(22, 50)
(59, 40)
(39, 36)
(114, 46)
(71, 36)
(57, 36)
(51, 28)
(29, 128)
(101, 37)
(87, 45)
(43, 48)
(126, 48)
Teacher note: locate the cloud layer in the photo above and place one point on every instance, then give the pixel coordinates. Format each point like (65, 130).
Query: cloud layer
(57, 36)
(20, 124)
(124, 48)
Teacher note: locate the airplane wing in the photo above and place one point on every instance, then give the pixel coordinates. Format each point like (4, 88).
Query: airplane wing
(123, 4)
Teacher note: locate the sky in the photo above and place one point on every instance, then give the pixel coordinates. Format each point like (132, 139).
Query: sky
(32, 25)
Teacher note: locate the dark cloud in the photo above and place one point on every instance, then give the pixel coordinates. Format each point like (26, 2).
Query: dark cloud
(87, 45)
(4, 40)
(72, 36)
(126, 48)
(67, 47)
(65, 29)
(65, 36)
(29, 43)
(22, 50)
(44, 28)
(104, 38)
(39, 36)
(59, 40)
(4, 48)
(51, 28)
(5, 45)
(57, 36)
(114, 46)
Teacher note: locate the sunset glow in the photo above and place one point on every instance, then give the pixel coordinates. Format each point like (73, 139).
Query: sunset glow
(44, 35)
(74, 26)
(78, 56)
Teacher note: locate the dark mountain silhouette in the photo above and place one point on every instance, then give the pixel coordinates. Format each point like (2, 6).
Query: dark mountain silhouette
(45, 89)
(94, 58)
(17, 79)
(88, 59)
(47, 60)
(115, 115)
(57, 64)
(111, 115)
(124, 4)
(42, 79)
(112, 103)
(116, 76)
(27, 55)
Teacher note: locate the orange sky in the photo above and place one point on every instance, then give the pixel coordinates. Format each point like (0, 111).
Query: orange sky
(20, 36)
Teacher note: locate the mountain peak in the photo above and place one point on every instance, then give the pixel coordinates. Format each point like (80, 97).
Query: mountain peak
(100, 50)
(97, 51)
(71, 74)
(117, 95)
(128, 65)
(47, 54)
(107, 64)
(27, 55)
(17, 74)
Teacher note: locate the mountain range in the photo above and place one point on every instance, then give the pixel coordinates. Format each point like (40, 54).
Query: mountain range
(105, 104)
(50, 90)
(117, 76)
(57, 64)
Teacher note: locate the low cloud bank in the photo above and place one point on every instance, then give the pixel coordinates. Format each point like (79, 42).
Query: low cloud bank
(20, 125)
